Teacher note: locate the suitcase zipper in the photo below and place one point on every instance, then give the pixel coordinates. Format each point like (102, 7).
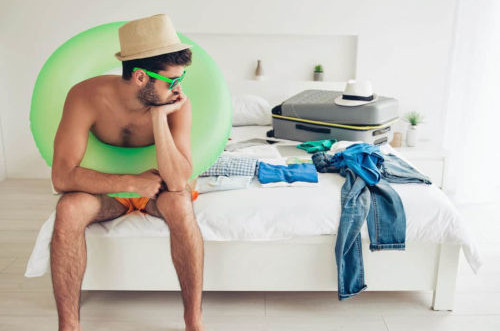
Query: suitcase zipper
(352, 127)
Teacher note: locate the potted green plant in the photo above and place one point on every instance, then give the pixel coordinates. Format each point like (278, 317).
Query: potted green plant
(414, 119)
(318, 72)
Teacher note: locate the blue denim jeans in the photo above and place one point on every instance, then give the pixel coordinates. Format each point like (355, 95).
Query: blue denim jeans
(396, 170)
(383, 210)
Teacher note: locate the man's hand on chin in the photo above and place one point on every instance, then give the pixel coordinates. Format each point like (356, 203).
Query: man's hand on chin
(173, 105)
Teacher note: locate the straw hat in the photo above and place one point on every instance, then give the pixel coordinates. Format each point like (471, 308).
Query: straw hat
(356, 93)
(149, 36)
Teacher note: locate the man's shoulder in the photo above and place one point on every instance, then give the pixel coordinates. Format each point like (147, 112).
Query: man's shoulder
(81, 98)
(87, 91)
(92, 84)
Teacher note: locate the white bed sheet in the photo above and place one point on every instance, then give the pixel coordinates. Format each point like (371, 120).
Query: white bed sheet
(276, 213)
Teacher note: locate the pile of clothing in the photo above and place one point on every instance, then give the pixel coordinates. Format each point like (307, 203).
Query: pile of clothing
(367, 194)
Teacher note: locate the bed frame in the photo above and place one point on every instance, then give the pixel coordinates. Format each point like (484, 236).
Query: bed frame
(300, 264)
(304, 263)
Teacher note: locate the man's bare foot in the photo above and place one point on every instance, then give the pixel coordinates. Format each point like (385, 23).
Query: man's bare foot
(195, 327)
(72, 328)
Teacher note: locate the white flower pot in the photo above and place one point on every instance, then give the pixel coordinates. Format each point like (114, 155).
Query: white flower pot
(412, 136)
(318, 76)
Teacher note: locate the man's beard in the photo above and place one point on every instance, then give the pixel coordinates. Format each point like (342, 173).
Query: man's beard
(148, 97)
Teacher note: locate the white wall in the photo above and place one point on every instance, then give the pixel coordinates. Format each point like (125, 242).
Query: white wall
(283, 57)
(403, 47)
(3, 170)
(3, 88)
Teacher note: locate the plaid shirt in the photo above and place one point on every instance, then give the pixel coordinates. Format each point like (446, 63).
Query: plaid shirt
(232, 166)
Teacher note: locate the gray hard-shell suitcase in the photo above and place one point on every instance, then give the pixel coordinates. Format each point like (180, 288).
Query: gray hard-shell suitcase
(313, 115)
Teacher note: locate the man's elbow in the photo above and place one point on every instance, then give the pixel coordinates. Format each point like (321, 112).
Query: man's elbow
(57, 184)
(59, 181)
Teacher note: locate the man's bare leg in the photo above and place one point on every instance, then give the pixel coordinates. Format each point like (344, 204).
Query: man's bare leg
(68, 255)
(186, 244)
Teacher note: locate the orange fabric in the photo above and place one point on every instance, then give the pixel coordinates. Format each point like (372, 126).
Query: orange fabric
(140, 203)
(134, 203)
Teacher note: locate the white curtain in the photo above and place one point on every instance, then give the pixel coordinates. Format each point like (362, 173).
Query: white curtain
(472, 114)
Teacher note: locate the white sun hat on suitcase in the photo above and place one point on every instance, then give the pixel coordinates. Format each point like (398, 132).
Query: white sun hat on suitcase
(356, 93)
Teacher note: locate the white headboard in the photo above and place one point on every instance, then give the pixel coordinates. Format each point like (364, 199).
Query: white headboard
(287, 60)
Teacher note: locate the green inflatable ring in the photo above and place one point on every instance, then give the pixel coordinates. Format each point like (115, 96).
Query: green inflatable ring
(91, 53)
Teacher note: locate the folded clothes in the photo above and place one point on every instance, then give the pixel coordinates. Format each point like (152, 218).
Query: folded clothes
(317, 145)
(227, 165)
(222, 183)
(296, 159)
(270, 173)
(286, 184)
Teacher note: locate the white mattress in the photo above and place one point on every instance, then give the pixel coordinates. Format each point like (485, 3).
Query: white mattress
(276, 213)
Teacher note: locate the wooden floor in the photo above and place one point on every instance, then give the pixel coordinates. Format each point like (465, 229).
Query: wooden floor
(28, 303)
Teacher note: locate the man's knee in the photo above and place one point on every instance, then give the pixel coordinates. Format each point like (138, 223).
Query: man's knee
(175, 205)
(75, 210)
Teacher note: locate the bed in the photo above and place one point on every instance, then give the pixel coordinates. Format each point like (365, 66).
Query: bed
(276, 239)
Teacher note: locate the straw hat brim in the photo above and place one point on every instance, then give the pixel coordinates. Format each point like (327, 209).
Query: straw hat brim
(153, 52)
(351, 103)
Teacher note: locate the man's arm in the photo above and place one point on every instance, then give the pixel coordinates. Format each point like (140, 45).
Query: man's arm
(69, 148)
(173, 146)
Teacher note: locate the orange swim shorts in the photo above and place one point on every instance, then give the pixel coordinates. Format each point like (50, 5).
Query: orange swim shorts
(140, 203)
(134, 203)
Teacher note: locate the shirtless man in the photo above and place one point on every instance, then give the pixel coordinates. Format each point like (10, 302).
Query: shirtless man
(132, 110)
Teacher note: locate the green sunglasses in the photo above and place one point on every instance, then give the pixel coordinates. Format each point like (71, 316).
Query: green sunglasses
(173, 82)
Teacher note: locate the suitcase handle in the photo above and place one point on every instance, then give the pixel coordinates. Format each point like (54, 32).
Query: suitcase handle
(312, 129)
(276, 110)
(381, 131)
(380, 141)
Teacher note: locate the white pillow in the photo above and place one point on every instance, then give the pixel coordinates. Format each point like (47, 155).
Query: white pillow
(251, 110)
